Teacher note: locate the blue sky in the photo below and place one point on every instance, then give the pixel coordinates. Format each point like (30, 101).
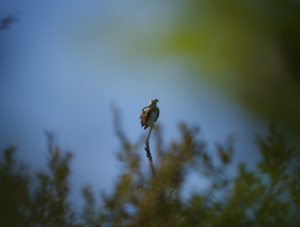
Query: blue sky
(65, 62)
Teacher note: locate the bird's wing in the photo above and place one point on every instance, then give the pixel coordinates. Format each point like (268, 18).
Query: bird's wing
(145, 115)
(143, 112)
(148, 113)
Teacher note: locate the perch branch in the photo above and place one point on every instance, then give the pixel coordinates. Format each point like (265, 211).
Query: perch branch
(148, 153)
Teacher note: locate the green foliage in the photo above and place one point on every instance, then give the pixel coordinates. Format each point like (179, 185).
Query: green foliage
(265, 196)
(89, 215)
(21, 204)
(251, 198)
(50, 205)
(14, 193)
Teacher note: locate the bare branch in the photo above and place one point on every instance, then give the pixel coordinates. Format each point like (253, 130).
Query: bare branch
(147, 149)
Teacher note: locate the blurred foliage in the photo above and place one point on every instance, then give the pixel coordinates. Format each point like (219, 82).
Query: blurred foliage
(23, 204)
(268, 195)
(15, 202)
(250, 48)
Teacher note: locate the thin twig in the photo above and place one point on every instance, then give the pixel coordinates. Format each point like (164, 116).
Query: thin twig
(171, 192)
(148, 153)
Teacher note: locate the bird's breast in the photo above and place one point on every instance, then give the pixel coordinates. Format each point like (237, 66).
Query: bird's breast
(152, 117)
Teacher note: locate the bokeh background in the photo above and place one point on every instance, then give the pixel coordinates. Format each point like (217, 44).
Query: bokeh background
(227, 66)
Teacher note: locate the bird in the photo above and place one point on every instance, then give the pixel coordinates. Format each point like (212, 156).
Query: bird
(149, 114)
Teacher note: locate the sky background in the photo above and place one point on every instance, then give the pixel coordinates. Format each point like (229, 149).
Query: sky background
(63, 64)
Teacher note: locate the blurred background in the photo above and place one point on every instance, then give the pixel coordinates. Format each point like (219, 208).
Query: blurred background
(227, 66)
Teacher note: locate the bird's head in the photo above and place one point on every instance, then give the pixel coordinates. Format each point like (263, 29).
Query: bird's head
(153, 101)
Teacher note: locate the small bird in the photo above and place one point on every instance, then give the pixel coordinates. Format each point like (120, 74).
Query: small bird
(149, 114)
